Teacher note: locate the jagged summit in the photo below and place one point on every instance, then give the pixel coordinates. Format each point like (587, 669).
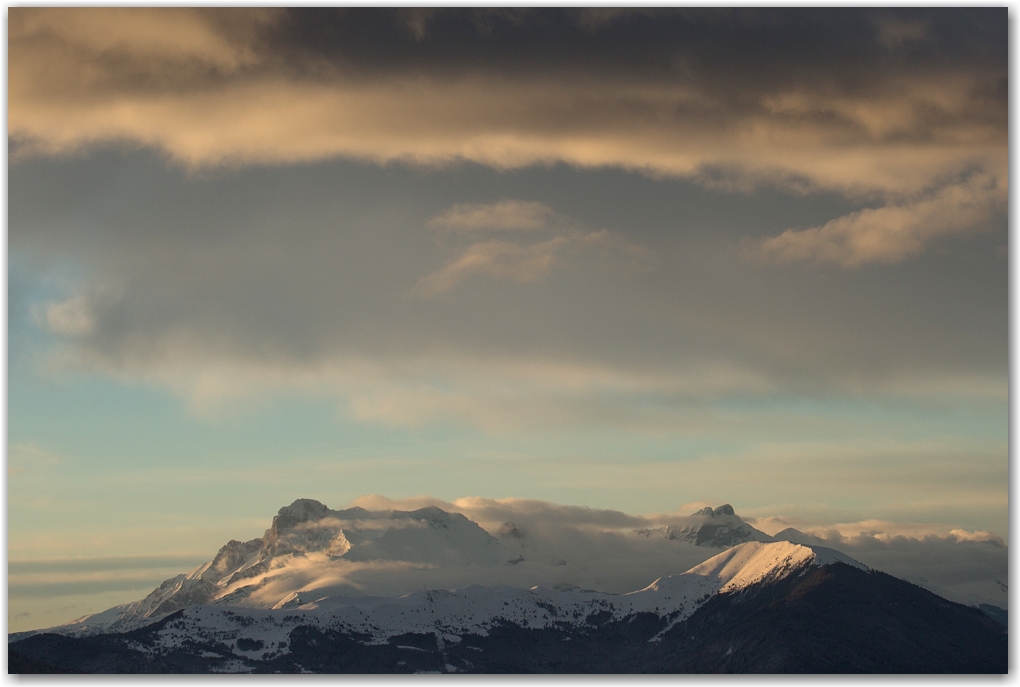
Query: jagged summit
(289, 517)
(305, 541)
(711, 527)
(708, 511)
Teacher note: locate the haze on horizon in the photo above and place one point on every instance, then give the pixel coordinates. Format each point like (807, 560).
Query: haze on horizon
(634, 260)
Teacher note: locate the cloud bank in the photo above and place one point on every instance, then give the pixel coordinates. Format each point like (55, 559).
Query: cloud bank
(594, 224)
(965, 566)
(968, 567)
(277, 280)
(506, 214)
(539, 542)
(918, 99)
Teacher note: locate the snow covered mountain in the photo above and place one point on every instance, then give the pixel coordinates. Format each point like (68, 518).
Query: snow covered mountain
(358, 590)
(719, 528)
(310, 547)
(671, 625)
(476, 609)
(473, 609)
(311, 551)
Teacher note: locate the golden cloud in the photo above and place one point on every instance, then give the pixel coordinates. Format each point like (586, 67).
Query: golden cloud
(205, 91)
(206, 88)
(891, 233)
(497, 259)
(502, 215)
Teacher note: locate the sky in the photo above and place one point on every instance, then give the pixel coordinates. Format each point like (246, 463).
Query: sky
(631, 260)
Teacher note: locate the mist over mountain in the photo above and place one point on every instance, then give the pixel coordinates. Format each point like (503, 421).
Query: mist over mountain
(307, 597)
(393, 548)
(966, 569)
(311, 551)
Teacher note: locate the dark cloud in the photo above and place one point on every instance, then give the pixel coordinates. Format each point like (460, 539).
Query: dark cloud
(680, 92)
(897, 109)
(740, 43)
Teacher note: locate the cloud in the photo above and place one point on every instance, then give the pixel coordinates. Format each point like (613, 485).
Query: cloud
(238, 283)
(496, 259)
(76, 576)
(514, 261)
(28, 455)
(502, 215)
(109, 563)
(892, 233)
(893, 31)
(594, 18)
(71, 317)
(881, 530)
(500, 393)
(83, 77)
(321, 572)
(158, 37)
(416, 19)
(593, 548)
(965, 566)
(228, 88)
(598, 548)
(500, 123)
(381, 503)
(493, 512)
(494, 393)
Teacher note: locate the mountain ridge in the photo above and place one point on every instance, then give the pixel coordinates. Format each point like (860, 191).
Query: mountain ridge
(310, 538)
(288, 602)
(758, 607)
(476, 608)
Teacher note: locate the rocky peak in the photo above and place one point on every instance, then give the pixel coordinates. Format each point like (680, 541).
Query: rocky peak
(709, 512)
(715, 527)
(302, 510)
(231, 556)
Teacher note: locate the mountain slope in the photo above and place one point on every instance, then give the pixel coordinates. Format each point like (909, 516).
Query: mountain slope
(838, 619)
(376, 575)
(307, 542)
(311, 551)
(759, 607)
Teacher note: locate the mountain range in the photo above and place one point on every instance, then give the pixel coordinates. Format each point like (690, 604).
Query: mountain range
(337, 591)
